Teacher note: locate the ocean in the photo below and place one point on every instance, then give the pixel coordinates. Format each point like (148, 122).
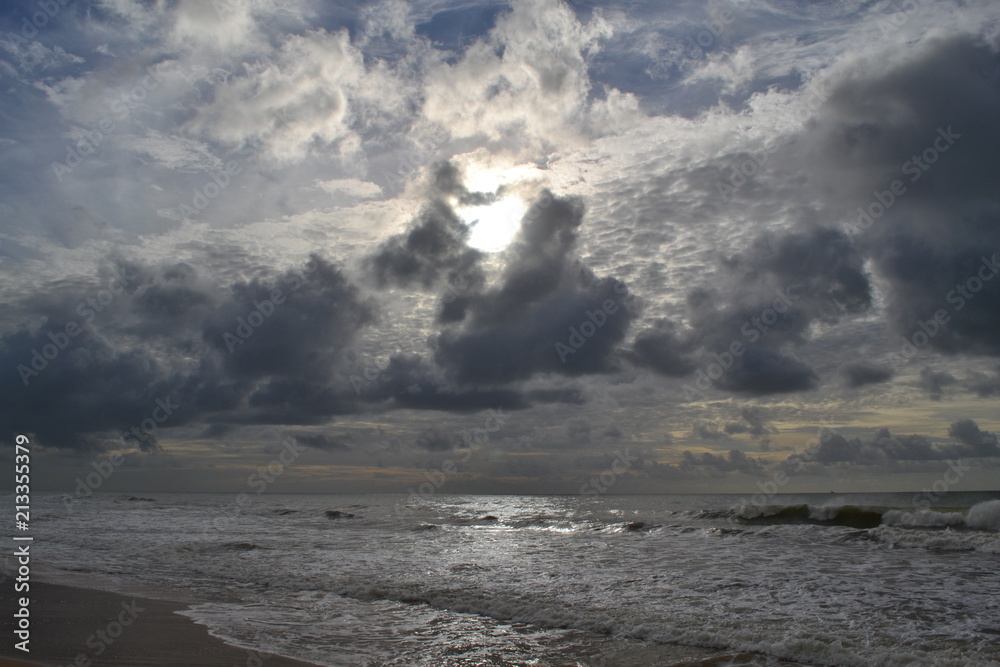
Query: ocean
(448, 580)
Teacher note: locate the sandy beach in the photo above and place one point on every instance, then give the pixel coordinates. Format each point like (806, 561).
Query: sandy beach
(64, 619)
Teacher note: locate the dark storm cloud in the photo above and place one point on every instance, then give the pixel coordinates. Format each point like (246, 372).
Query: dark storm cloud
(710, 432)
(612, 432)
(753, 422)
(411, 382)
(111, 360)
(737, 461)
(437, 440)
(935, 243)
(794, 280)
(87, 395)
(881, 448)
(763, 371)
(549, 313)
(860, 374)
(934, 382)
(434, 247)
(578, 430)
(166, 302)
(660, 349)
(766, 301)
(928, 122)
(982, 443)
(985, 385)
(294, 325)
(329, 443)
(884, 447)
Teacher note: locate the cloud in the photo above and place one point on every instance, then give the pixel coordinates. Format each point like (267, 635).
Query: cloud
(306, 319)
(710, 432)
(526, 84)
(434, 248)
(737, 461)
(409, 381)
(308, 95)
(985, 385)
(753, 422)
(351, 187)
(322, 441)
(766, 299)
(923, 119)
(263, 351)
(548, 314)
(861, 374)
(660, 349)
(436, 440)
(578, 431)
(981, 443)
(934, 383)
(884, 447)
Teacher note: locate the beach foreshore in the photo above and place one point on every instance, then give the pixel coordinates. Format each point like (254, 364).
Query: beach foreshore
(91, 628)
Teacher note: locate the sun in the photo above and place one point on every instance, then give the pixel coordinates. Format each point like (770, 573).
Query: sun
(493, 226)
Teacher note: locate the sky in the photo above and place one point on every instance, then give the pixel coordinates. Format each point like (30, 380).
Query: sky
(736, 246)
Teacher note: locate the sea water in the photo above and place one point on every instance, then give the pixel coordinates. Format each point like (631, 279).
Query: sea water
(859, 579)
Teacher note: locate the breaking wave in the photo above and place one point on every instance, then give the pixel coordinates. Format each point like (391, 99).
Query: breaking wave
(844, 515)
(984, 516)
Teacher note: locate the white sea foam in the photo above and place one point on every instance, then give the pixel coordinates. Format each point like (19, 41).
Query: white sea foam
(982, 516)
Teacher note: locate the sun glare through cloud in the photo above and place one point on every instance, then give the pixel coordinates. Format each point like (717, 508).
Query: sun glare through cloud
(494, 225)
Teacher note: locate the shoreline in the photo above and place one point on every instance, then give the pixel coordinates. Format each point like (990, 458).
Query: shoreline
(71, 625)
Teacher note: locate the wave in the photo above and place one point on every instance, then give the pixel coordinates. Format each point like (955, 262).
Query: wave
(984, 516)
(933, 540)
(850, 516)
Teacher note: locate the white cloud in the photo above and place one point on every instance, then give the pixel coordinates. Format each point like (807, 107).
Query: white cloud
(526, 85)
(351, 187)
(174, 153)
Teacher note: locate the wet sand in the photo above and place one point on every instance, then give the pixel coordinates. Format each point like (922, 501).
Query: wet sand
(64, 619)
